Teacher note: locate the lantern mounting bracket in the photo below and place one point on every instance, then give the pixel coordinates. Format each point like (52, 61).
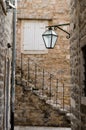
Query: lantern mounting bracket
(59, 27)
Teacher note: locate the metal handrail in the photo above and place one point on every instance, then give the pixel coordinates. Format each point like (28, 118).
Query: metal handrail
(48, 85)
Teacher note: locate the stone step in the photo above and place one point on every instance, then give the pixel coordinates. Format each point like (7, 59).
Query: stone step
(42, 96)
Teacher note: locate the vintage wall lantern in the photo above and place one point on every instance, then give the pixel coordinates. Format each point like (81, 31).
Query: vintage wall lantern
(50, 37)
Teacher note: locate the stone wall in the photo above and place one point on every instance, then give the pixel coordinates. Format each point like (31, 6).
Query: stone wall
(5, 66)
(77, 41)
(57, 60)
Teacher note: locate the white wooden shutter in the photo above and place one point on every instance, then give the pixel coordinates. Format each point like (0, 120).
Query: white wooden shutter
(28, 36)
(32, 35)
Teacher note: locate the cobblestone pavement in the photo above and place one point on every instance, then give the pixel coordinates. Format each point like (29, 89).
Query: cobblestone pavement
(40, 128)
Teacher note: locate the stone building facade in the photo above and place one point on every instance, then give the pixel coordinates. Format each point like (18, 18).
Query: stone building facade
(49, 13)
(32, 17)
(5, 65)
(78, 64)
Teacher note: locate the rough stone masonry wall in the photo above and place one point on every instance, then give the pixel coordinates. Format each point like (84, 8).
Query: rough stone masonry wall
(5, 54)
(57, 60)
(77, 41)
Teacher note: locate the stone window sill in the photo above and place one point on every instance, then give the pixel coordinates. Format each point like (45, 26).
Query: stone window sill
(83, 100)
(35, 52)
(3, 4)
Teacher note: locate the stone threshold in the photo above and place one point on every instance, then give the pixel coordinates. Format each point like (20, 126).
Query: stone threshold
(39, 128)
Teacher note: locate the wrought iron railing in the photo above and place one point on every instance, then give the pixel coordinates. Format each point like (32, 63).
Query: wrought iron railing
(46, 85)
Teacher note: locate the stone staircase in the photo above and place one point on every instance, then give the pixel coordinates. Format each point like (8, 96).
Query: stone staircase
(40, 98)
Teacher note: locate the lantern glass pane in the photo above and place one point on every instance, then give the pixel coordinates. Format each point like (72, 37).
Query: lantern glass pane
(54, 38)
(47, 40)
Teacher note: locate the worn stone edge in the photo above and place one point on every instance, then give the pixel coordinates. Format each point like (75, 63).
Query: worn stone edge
(2, 3)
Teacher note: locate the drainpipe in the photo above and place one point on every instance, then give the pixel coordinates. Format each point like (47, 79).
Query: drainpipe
(13, 68)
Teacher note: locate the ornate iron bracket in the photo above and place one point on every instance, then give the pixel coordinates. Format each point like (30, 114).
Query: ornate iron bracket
(55, 27)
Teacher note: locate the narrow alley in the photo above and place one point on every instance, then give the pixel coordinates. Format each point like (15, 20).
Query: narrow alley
(42, 64)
